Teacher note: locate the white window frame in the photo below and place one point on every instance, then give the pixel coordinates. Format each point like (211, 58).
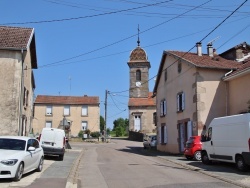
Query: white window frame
(84, 125)
(48, 124)
(49, 110)
(66, 110)
(180, 102)
(163, 107)
(84, 110)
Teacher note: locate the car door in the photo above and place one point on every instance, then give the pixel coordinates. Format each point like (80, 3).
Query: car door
(29, 159)
(37, 153)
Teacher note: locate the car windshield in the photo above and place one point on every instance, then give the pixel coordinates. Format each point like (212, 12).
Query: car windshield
(12, 144)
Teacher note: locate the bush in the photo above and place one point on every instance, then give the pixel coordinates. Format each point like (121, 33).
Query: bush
(95, 134)
(80, 134)
(119, 131)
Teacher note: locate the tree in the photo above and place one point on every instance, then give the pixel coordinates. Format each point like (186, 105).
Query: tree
(102, 123)
(121, 122)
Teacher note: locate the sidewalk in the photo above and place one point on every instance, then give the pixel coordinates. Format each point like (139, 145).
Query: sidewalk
(223, 171)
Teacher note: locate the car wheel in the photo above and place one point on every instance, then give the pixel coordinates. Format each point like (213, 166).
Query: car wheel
(205, 159)
(61, 157)
(19, 172)
(240, 163)
(189, 157)
(40, 165)
(197, 155)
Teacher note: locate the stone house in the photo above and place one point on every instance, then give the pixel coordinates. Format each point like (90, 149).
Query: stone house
(81, 113)
(141, 103)
(193, 88)
(18, 59)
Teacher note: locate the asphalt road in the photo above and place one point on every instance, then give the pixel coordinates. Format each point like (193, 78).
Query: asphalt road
(124, 163)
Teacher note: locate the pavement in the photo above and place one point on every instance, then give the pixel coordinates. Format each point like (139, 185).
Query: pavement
(223, 171)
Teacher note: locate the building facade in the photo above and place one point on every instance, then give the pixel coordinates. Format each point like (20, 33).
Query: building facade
(17, 83)
(141, 104)
(80, 112)
(191, 89)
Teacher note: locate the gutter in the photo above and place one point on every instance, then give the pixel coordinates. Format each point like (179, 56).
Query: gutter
(239, 74)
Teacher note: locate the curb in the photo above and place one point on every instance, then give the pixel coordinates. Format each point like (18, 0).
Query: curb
(73, 174)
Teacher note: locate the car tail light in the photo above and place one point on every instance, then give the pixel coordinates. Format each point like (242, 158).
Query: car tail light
(64, 140)
(39, 137)
(249, 144)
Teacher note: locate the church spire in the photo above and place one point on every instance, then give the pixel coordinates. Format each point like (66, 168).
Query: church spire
(138, 41)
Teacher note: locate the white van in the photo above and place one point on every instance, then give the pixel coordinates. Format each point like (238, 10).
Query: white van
(228, 139)
(53, 142)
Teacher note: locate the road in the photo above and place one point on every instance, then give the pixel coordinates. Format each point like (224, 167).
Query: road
(124, 163)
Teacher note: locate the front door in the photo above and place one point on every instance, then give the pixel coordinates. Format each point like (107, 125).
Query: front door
(182, 137)
(137, 122)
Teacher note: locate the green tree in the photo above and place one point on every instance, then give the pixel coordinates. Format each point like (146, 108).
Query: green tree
(121, 122)
(119, 131)
(102, 123)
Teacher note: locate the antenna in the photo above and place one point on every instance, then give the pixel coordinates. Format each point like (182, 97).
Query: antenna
(138, 41)
(69, 85)
(211, 42)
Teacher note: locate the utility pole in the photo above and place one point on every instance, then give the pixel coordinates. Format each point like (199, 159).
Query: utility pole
(105, 124)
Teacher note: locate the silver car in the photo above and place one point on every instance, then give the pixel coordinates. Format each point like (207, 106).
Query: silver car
(150, 141)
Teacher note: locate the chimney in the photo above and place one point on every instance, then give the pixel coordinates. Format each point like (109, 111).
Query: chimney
(210, 50)
(199, 50)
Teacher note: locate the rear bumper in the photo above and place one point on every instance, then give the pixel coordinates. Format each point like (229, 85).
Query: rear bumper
(53, 151)
(246, 156)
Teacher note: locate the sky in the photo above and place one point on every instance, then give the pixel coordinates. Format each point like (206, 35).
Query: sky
(83, 46)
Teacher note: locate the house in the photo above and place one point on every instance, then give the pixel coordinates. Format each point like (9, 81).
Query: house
(80, 113)
(141, 104)
(18, 59)
(193, 88)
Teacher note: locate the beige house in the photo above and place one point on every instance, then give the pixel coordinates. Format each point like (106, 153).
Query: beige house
(141, 104)
(17, 84)
(193, 88)
(81, 113)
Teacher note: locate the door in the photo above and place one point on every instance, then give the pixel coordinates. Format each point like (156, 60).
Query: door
(182, 137)
(137, 122)
(207, 143)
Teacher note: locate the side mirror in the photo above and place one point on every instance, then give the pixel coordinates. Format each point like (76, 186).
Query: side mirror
(31, 148)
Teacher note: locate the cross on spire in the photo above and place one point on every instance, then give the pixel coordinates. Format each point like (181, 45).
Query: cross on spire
(138, 41)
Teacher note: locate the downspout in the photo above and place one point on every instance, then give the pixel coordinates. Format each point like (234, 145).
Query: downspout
(21, 96)
(226, 88)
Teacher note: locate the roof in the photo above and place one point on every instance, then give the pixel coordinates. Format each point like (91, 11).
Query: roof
(149, 101)
(15, 37)
(70, 100)
(204, 61)
(19, 38)
(243, 70)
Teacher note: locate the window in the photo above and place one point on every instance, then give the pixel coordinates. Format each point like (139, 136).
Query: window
(163, 107)
(84, 125)
(49, 110)
(179, 67)
(162, 134)
(48, 124)
(25, 97)
(138, 75)
(84, 110)
(166, 74)
(66, 111)
(180, 102)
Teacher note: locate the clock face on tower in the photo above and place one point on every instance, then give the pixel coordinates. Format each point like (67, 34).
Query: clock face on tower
(138, 84)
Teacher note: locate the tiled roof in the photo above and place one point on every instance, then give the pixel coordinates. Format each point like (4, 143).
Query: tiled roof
(244, 67)
(142, 101)
(15, 37)
(205, 61)
(80, 100)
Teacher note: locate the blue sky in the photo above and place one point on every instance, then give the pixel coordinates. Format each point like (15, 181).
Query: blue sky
(83, 46)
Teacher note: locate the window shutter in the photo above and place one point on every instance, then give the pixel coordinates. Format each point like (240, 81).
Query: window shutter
(159, 134)
(165, 135)
(161, 108)
(165, 107)
(183, 101)
(178, 105)
(189, 129)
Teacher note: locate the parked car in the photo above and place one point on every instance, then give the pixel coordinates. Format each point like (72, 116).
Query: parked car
(149, 141)
(53, 142)
(19, 155)
(193, 148)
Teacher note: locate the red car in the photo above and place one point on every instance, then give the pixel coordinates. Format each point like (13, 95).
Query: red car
(193, 148)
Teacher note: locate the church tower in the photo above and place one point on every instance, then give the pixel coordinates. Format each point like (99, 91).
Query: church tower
(141, 105)
(139, 67)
